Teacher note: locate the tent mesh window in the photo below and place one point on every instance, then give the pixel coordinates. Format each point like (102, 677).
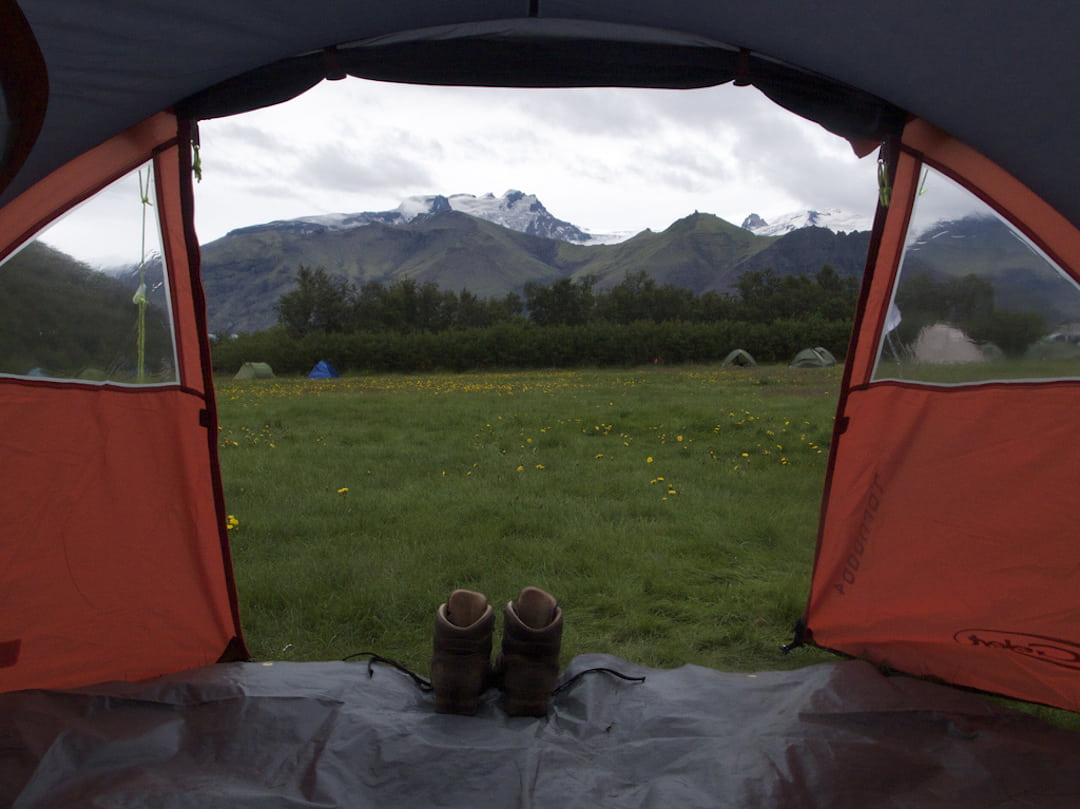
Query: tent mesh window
(66, 315)
(975, 300)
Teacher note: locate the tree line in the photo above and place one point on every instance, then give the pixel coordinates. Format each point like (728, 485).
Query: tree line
(321, 303)
(407, 326)
(968, 303)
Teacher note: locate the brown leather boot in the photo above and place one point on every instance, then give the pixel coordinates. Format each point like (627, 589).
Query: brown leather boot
(461, 662)
(528, 667)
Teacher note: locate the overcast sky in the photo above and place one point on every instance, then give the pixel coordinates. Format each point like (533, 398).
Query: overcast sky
(604, 159)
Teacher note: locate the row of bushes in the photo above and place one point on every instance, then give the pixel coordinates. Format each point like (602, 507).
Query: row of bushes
(526, 345)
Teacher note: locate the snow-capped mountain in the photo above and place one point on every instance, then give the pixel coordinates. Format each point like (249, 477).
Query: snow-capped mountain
(525, 213)
(835, 220)
(515, 210)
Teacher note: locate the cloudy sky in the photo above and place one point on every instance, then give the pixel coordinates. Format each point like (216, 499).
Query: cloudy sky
(604, 159)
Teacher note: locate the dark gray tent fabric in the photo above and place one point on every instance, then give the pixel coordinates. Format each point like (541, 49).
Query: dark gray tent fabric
(998, 74)
(299, 735)
(558, 53)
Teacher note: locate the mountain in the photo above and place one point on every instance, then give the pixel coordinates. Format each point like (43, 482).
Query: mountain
(246, 272)
(427, 239)
(831, 218)
(514, 210)
(700, 252)
(65, 319)
(1022, 280)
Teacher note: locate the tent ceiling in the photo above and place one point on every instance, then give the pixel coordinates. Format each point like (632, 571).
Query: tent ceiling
(555, 53)
(998, 74)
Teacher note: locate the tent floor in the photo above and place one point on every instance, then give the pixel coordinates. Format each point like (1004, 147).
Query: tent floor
(329, 735)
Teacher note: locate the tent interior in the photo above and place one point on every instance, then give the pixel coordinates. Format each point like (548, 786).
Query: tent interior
(946, 563)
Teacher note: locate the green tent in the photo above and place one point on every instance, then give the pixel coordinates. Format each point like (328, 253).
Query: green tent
(817, 357)
(254, 370)
(739, 357)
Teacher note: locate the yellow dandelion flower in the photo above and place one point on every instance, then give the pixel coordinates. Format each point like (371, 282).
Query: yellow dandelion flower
(343, 490)
(649, 459)
(540, 466)
(520, 469)
(598, 455)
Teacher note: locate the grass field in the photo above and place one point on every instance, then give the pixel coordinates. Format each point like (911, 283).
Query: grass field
(672, 511)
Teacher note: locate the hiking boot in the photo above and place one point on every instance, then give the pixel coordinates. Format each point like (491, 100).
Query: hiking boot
(529, 664)
(461, 661)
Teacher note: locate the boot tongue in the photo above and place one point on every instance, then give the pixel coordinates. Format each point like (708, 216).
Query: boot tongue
(535, 608)
(465, 608)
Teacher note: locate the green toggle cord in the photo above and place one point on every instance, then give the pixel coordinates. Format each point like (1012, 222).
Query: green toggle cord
(139, 299)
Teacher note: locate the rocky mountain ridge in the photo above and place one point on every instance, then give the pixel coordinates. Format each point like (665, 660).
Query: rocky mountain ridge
(525, 213)
(514, 210)
(831, 218)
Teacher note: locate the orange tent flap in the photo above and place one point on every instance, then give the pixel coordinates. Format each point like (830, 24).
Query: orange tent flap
(117, 573)
(951, 550)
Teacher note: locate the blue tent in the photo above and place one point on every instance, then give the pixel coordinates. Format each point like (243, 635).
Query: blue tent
(323, 370)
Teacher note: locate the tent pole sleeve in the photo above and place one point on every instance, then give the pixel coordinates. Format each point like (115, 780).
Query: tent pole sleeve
(236, 649)
(882, 258)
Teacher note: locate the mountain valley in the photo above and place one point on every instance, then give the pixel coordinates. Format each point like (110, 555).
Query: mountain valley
(492, 246)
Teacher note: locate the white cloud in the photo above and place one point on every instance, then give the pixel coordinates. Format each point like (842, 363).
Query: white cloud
(603, 158)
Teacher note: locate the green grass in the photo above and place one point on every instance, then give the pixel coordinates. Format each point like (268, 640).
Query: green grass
(673, 512)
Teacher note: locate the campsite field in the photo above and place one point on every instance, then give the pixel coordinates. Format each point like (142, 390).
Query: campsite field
(672, 511)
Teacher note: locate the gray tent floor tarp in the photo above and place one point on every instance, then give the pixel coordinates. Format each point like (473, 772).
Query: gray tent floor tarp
(241, 735)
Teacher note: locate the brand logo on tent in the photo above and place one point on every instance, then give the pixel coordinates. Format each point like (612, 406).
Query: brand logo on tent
(1055, 651)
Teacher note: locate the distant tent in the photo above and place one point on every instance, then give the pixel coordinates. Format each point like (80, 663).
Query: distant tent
(254, 370)
(1054, 350)
(323, 370)
(739, 357)
(941, 344)
(813, 358)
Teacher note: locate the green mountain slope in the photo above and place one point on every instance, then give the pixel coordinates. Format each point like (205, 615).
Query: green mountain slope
(59, 317)
(699, 252)
(1020, 278)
